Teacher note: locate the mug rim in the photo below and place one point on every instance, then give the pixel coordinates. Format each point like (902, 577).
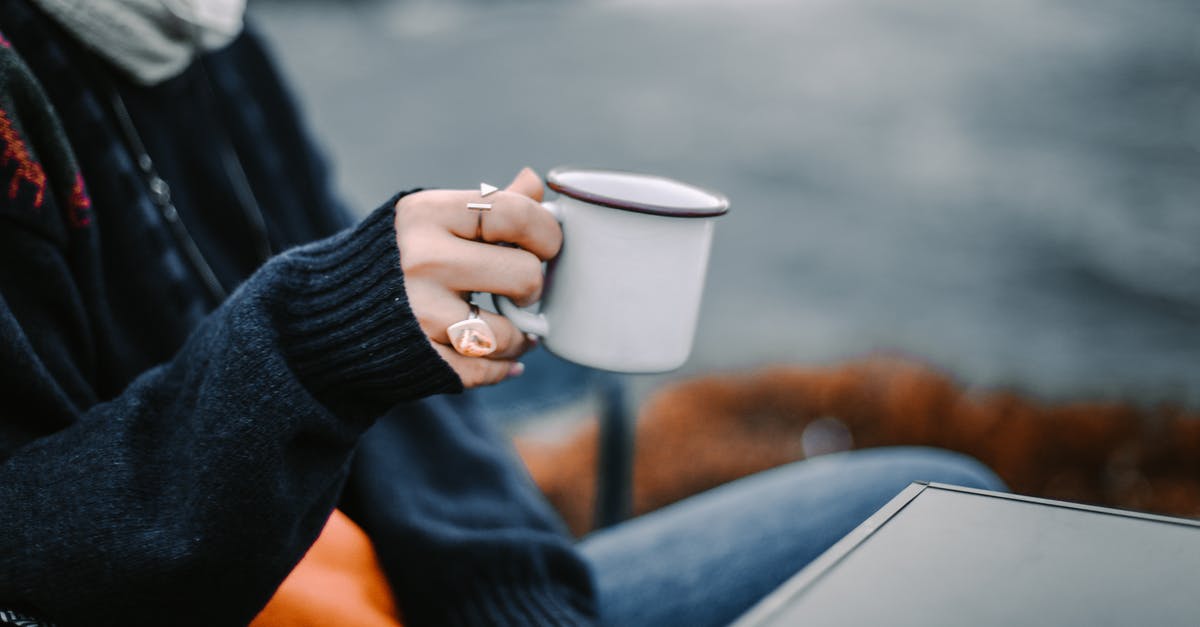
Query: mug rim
(720, 206)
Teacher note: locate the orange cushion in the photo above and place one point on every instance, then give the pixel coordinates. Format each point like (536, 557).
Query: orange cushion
(339, 582)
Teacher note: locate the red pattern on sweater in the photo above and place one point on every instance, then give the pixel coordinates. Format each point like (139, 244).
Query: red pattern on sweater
(28, 170)
(81, 204)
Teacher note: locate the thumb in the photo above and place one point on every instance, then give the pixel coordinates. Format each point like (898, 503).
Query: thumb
(527, 183)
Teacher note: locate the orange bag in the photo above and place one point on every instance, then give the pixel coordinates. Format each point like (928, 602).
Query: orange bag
(339, 582)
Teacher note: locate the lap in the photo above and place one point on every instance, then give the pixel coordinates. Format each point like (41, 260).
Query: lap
(705, 560)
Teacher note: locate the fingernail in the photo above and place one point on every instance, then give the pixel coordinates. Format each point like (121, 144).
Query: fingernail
(516, 369)
(532, 339)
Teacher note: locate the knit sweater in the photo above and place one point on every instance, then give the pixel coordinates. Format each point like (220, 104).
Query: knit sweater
(167, 455)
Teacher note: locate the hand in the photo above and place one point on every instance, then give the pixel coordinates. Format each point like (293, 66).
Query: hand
(443, 264)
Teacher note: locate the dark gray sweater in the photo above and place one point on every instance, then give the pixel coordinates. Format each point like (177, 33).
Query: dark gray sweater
(167, 454)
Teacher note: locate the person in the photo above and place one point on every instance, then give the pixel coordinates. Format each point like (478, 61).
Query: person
(206, 364)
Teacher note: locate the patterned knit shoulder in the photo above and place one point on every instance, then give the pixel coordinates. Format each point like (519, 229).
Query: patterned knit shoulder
(41, 186)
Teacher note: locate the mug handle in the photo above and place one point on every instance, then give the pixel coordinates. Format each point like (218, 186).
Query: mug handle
(524, 319)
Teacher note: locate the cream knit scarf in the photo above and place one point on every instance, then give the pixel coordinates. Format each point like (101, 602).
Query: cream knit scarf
(151, 40)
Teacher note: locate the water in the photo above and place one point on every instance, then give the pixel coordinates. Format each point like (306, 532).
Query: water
(1010, 191)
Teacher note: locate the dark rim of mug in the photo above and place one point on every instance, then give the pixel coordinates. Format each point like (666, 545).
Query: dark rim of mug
(720, 204)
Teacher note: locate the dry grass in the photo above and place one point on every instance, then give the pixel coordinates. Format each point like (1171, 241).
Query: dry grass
(703, 432)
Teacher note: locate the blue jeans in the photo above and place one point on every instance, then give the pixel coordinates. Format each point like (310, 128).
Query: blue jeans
(706, 560)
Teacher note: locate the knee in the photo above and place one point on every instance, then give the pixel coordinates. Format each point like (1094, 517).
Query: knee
(943, 466)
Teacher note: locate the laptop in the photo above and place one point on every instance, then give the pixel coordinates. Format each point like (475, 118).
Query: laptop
(942, 555)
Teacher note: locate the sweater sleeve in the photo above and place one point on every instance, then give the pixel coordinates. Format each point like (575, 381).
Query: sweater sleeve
(186, 498)
(466, 538)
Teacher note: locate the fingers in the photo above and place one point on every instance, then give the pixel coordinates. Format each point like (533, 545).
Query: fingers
(441, 308)
(479, 371)
(464, 266)
(527, 183)
(510, 272)
(442, 261)
(509, 216)
(513, 218)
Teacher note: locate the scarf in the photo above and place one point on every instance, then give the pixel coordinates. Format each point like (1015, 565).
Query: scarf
(150, 40)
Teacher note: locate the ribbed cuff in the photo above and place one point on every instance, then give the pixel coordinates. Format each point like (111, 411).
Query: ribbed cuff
(523, 585)
(346, 325)
(509, 605)
(499, 602)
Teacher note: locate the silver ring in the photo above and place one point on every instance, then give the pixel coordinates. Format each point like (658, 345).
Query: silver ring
(479, 208)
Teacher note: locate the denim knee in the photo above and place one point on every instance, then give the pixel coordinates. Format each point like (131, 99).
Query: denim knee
(944, 466)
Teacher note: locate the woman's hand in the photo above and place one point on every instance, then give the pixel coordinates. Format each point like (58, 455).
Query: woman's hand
(443, 263)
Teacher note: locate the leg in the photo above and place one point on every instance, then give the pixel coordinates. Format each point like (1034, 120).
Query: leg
(707, 559)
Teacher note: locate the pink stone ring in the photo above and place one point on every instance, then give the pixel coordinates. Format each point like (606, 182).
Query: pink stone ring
(472, 337)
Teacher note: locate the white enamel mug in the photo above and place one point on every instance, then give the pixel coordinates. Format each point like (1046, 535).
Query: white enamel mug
(624, 292)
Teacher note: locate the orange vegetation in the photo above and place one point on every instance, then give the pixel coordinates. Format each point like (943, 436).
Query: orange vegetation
(703, 432)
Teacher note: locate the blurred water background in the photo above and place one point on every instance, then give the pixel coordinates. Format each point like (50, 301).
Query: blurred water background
(1007, 190)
